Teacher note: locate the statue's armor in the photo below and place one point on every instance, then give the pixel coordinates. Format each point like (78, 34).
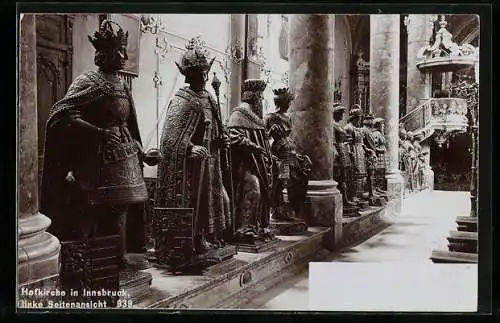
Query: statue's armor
(120, 177)
(358, 160)
(343, 149)
(381, 151)
(282, 146)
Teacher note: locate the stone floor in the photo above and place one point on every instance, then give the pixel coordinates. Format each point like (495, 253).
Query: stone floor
(403, 250)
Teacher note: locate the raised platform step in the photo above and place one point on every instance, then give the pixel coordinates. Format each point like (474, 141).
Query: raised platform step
(223, 285)
(467, 223)
(462, 241)
(442, 256)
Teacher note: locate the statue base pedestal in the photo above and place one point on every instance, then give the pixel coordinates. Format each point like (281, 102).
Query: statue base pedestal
(377, 201)
(137, 261)
(451, 257)
(136, 283)
(258, 246)
(350, 211)
(220, 255)
(288, 228)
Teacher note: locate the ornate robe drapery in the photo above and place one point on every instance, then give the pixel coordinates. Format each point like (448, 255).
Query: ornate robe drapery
(193, 119)
(103, 174)
(247, 132)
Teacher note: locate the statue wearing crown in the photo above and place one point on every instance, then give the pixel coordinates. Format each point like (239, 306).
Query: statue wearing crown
(291, 170)
(380, 168)
(193, 217)
(252, 164)
(92, 176)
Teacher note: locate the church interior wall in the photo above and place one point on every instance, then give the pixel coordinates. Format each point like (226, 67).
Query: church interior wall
(342, 60)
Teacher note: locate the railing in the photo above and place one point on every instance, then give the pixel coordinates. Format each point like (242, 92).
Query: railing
(418, 118)
(448, 114)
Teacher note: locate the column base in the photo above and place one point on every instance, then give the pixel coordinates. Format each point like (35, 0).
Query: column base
(38, 250)
(395, 187)
(323, 207)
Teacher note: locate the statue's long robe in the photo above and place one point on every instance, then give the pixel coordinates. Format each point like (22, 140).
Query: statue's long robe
(68, 149)
(247, 132)
(179, 180)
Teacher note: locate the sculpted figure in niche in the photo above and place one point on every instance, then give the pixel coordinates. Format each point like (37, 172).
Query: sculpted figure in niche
(193, 211)
(92, 176)
(252, 166)
(291, 169)
(343, 166)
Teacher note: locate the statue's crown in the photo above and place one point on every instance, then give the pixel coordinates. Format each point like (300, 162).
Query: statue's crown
(376, 121)
(196, 56)
(355, 112)
(337, 107)
(283, 93)
(105, 37)
(254, 85)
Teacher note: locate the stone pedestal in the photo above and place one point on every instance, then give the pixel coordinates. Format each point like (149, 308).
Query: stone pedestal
(418, 84)
(38, 250)
(384, 94)
(311, 79)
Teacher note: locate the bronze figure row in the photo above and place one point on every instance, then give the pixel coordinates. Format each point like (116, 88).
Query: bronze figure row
(217, 184)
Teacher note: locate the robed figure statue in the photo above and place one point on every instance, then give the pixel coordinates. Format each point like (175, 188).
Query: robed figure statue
(252, 166)
(291, 170)
(92, 171)
(92, 175)
(192, 207)
(380, 169)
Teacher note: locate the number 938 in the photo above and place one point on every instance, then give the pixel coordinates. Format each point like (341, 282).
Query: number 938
(127, 303)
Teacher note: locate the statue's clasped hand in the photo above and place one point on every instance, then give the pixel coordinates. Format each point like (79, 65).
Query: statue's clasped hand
(199, 152)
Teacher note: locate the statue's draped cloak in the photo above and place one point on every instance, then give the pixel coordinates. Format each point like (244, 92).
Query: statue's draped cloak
(247, 132)
(179, 177)
(68, 149)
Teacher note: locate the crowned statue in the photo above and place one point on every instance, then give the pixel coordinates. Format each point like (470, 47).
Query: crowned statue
(252, 165)
(291, 170)
(193, 217)
(92, 177)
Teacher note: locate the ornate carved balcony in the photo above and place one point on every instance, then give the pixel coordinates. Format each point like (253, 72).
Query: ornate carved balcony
(442, 116)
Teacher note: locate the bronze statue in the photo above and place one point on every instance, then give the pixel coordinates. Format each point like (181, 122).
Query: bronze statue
(355, 138)
(92, 175)
(342, 162)
(379, 139)
(371, 159)
(291, 170)
(419, 161)
(410, 160)
(192, 206)
(252, 166)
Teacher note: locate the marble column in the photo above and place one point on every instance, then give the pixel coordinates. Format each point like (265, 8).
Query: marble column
(38, 250)
(311, 79)
(237, 55)
(418, 88)
(384, 93)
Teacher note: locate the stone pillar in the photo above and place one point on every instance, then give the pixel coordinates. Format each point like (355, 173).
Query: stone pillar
(237, 53)
(418, 86)
(384, 93)
(38, 250)
(311, 79)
